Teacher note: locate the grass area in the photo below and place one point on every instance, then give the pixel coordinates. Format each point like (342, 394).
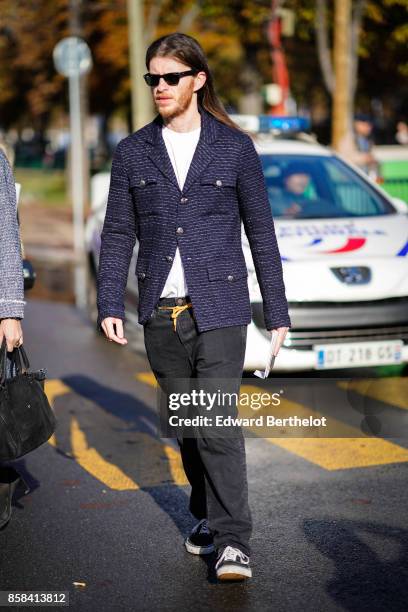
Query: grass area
(395, 174)
(46, 187)
(395, 169)
(396, 189)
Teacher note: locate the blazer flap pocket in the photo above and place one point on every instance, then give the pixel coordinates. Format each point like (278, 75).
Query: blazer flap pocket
(218, 180)
(224, 270)
(142, 181)
(142, 268)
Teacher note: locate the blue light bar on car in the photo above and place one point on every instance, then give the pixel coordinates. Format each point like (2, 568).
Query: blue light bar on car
(283, 124)
(271, 123)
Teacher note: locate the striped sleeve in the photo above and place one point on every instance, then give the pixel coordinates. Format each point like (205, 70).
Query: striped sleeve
(11, 265)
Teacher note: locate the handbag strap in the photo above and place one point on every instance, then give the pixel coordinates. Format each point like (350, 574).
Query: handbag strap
(18, 358)
(3, 362)
(16, 361)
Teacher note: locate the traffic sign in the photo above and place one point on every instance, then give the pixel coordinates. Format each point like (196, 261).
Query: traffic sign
(72, 56)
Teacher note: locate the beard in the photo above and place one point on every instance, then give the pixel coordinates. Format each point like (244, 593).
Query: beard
(179, 106)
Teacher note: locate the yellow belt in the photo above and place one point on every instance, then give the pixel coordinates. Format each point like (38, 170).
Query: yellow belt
(176, 310)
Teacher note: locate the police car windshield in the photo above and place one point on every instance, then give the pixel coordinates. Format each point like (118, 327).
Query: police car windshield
(315, 187)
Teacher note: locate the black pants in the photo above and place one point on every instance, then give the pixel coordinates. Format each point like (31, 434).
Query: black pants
(214, 465)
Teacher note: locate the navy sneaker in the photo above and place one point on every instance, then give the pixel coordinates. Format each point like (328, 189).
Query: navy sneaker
(232, 564)
(200, 540)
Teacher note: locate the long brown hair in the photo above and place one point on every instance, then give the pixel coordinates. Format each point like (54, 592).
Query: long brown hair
(188, 51)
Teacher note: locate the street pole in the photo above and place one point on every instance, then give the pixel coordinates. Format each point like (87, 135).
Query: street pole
(74, 17)
(79, 164)
(72, 58)
(140, 93)
(341, 125)
(77, 190)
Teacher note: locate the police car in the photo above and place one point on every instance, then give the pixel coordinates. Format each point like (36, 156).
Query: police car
(344, 249)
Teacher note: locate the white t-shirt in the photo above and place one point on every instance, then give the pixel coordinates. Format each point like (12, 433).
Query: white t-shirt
(180, 147)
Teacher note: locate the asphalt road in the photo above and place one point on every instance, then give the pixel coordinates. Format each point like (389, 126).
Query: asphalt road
(107, 512)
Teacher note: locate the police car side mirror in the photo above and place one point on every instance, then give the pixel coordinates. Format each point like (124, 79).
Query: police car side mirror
(400, 205)
(29, 274)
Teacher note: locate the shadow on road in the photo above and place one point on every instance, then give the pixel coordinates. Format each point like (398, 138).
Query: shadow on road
(370, 563)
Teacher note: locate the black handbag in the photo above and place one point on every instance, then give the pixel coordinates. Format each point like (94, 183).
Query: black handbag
(26, 417)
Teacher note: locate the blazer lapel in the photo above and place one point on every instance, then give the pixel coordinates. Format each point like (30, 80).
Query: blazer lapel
(201, 158)
(158, 153)
(203, 153)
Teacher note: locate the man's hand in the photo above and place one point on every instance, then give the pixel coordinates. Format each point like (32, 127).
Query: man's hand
(11, 329)
(282, 331)
(113, 329)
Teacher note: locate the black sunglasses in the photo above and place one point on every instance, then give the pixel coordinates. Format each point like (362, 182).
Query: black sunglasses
(171, 78)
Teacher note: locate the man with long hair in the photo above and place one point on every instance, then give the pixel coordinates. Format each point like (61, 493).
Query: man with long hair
(181, 185)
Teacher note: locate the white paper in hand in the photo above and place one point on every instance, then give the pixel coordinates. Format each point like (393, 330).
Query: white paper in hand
(271, 357)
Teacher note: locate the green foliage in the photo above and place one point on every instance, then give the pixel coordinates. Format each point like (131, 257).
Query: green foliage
(45, 186)
(233, 34)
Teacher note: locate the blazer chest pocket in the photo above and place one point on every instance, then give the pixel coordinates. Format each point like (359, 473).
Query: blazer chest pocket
(219, 191)
(218, 182)
(144, 192)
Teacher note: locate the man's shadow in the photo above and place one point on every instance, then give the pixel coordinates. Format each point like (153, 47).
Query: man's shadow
(134, 418)
(362, 580)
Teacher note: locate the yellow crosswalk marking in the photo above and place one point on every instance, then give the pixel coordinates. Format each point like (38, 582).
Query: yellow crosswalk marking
(176, 466)
(173, 456)
(392, 390)
(147, 377)
(344, 451)
(54, 388)
(161, 462)
(95, 464)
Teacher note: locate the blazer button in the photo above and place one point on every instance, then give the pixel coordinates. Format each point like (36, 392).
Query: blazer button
(141, 275)
(142, 182)
(218, 183)
(169, 258)
(230, 277)
(184, 200)
(179, 230)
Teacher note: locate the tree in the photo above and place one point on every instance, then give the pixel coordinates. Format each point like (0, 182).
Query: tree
(322, 38)
(29, 84)
(233, 35)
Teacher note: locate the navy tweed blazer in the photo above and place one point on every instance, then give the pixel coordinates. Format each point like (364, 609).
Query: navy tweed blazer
(224, 186)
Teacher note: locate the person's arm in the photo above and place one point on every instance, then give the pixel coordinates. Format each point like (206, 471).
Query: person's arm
(11, 264)
(348, 150)
(117, 242)
(259, 227)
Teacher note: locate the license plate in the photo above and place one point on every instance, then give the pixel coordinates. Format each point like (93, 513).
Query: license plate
(356, 354)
